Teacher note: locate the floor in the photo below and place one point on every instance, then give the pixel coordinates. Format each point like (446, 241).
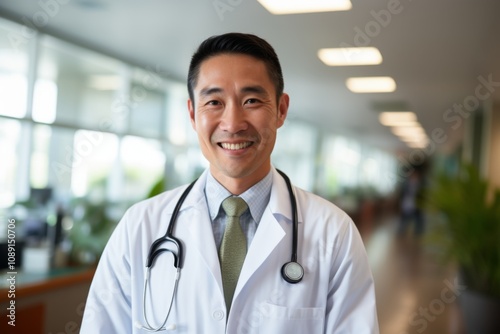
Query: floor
(415, 292)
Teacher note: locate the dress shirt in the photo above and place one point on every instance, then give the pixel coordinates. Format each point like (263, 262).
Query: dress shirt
(257, 198)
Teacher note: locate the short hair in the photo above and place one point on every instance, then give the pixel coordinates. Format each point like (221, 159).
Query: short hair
(236, 43)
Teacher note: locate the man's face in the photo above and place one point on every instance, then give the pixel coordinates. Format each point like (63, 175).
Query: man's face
(236, 116)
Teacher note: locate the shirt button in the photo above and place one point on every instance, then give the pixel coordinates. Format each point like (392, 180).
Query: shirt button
(218, 315)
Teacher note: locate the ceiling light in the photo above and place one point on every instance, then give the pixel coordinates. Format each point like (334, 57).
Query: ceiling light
(278, 7)
(418, 145)
(105, 82)
(408, 131)
(398, 118)
(413, 139)
(371, 85)
(420, 141)
(350, 56)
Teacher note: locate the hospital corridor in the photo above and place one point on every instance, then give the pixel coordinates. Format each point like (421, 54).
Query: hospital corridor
(205, 166)
(416, 293)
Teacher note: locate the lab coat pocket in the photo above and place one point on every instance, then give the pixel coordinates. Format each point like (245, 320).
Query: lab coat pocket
(281, 319)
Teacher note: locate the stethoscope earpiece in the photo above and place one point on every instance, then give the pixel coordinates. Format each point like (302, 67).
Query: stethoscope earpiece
(292, 272)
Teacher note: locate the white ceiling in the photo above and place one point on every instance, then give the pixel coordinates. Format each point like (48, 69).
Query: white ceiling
(434, 49)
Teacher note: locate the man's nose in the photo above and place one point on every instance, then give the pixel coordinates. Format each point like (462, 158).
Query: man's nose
(233, 118)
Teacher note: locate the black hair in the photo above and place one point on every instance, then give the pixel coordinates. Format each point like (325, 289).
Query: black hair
(236, 43)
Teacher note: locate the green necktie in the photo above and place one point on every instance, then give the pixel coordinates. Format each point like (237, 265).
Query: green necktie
(233, 248)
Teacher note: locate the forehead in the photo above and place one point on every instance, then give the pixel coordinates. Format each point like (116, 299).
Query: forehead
(232, 68)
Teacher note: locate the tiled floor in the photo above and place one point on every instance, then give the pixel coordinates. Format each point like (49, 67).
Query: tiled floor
(415, 293)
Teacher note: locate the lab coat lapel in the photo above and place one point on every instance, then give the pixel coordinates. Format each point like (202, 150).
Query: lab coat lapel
(198, 223)
(270, 231)
(273, 227)
(267, 237)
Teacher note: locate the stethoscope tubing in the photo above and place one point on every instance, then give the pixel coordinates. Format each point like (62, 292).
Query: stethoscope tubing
(155, 250)
(293, 203)
(144, 313)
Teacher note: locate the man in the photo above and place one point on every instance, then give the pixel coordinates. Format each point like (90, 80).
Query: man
(231, 279)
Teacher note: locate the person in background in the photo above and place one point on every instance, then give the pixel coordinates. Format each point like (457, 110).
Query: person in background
(411, 201)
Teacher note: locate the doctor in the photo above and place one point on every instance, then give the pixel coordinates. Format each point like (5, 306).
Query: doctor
(230, 279)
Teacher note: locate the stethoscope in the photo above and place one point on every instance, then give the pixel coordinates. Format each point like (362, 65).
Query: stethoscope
(292, 271)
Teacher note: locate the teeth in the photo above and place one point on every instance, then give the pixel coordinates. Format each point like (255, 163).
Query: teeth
(237, 146)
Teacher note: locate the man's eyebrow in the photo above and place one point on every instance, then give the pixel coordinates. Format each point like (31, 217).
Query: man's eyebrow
(210, 90)
(255, 89)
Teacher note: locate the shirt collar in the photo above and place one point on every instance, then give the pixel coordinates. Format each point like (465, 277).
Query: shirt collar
(256, 197)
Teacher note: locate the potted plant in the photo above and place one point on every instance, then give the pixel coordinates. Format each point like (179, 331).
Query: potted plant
(470, 236)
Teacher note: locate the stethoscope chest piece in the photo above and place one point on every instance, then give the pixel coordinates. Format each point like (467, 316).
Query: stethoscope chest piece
(292, 272)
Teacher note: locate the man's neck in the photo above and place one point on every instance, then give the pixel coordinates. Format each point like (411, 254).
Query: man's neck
(237, 186)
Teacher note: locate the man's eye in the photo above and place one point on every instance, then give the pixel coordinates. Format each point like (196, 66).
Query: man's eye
(251, 101)
(213, 103)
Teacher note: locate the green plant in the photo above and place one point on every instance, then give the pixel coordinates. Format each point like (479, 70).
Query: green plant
(91, 230)
(157, 188)
(470, 232)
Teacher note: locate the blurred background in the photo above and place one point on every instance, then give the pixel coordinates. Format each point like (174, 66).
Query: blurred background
(394, 117)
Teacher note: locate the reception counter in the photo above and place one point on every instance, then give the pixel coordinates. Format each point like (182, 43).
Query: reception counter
(51, 302)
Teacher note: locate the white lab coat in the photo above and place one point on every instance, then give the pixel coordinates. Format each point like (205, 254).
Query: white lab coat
(336, 294)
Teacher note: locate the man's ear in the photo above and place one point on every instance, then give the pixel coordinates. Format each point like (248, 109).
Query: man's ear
(190, 106)
(283, 108)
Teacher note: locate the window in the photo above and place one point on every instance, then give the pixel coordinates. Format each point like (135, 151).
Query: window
(349, 165)
(10, 134)
(93, 155)
(147, 102)
(45, 101)
(295, 153)
(39, 173)
(13, 71)
(143, 164)
(78, 87)
(179, 129)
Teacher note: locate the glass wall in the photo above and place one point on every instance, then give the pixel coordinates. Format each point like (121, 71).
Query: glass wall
(295, 152)
(143, 164)
(109, 130)
(13, 72)
(98, 128)
(14, 135)
(10, 141)
(82, 87)
(78, 128)
(82, 137)
(350, 166)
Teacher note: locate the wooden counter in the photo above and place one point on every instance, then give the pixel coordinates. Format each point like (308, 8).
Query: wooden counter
(29, 284)
(51, 302)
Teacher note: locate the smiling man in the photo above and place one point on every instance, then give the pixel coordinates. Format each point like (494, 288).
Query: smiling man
(236, 111)
(224, 265)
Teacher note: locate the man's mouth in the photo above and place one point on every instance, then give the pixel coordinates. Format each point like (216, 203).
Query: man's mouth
(235, 146)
